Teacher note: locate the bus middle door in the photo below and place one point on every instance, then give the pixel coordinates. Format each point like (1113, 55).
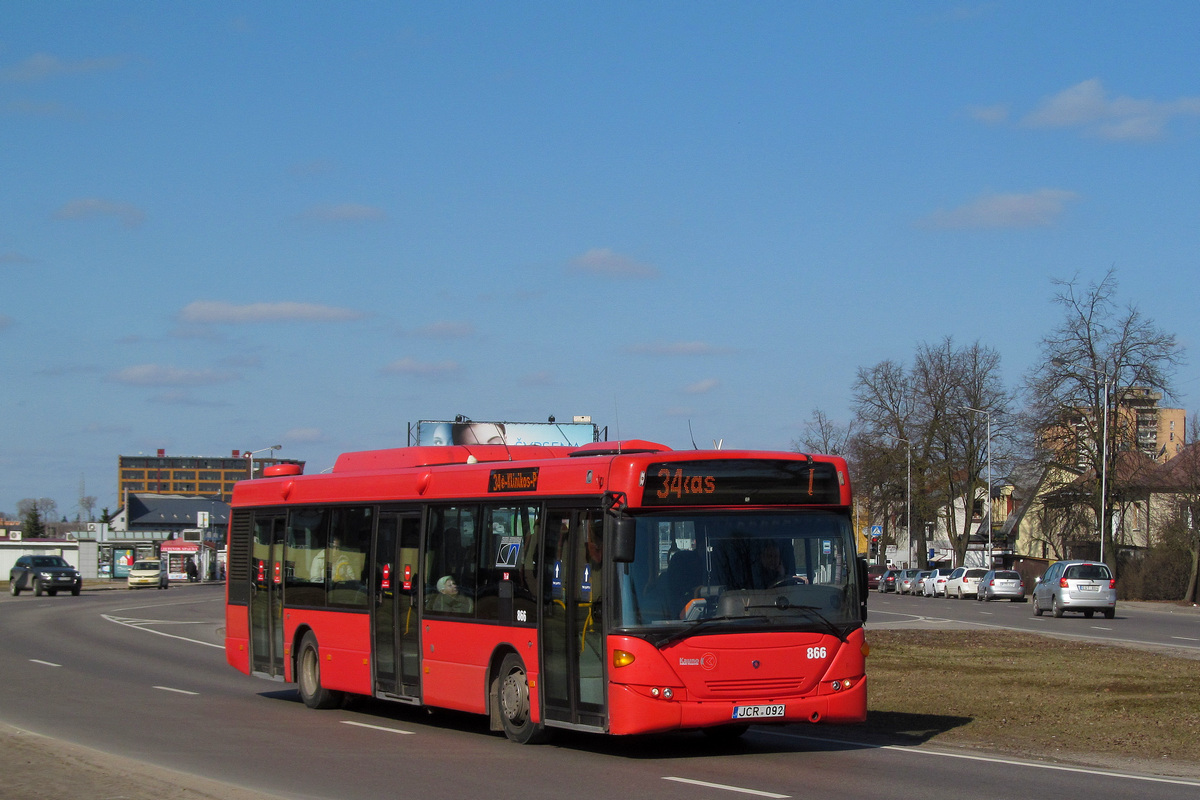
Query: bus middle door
(395, 625)
(572, 666)
(266, 596)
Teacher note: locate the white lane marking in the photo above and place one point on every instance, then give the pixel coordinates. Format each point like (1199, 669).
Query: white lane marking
(46, 663)
(988, 759)
(139, 624)
(740, 789)
(1098, 628)
(1185, 638)
(378, 728)
(177, 691)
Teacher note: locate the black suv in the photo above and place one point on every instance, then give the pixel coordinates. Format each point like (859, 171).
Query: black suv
(44, 574)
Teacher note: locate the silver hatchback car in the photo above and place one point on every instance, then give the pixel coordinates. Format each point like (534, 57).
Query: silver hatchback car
(1001, 584)
(1085, 586)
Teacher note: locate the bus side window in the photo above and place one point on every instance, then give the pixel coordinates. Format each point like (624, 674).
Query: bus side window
(308, 531)
(507, 565)
(452, 552)
(349, 541)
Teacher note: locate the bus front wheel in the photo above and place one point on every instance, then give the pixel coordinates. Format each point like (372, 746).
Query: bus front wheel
(513, 700)
(308, 676)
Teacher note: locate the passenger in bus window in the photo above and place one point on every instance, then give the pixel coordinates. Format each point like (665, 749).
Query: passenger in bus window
(448, 599)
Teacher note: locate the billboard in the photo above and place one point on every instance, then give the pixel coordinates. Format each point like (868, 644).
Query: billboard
(513, 434)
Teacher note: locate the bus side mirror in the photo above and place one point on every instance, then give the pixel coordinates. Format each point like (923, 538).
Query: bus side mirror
(862, 585)
(624, 545)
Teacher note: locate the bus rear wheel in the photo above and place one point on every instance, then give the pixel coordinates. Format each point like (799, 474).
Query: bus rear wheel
(308, 676)
(512, 697)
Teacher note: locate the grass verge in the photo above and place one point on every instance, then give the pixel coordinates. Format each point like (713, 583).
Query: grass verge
(1034, 696)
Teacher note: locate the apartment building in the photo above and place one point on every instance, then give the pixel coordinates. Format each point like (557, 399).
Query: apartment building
(1155, 431)
(190, 476)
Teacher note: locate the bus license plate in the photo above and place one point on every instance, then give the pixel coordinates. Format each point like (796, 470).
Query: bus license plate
(758, 712)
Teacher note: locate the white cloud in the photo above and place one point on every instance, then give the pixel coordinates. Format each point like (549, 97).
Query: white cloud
(1089, 107)
(88, 207)
(43, 66)
(304, 435)
(446, 329)
(159, 375)
(216, 311)
(421, 369)
(1031, 210)
(345, 212)
(991, 115)
(179, 397)
(674, 349)
(606, 263)
(702, 387)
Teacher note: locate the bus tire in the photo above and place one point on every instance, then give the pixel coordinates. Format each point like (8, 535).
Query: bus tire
(512, 699)
(308, 676)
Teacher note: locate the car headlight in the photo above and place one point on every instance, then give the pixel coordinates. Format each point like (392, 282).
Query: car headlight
(46, 576)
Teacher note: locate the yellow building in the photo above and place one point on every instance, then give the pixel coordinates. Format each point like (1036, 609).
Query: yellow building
(190, 476)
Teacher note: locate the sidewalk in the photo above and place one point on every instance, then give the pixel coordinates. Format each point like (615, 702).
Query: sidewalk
(104, 584)
(37, 766)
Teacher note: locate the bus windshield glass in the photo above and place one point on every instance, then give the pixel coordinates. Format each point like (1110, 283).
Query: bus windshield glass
(743, 571)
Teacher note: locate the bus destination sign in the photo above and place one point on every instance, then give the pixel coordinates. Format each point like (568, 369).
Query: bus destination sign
(513, 480)
(741, 482)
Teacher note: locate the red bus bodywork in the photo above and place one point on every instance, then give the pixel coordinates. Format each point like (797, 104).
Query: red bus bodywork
(695, 682)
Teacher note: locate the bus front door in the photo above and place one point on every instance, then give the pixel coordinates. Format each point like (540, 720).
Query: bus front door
(395, 622)
(266, 596)
(572, 669)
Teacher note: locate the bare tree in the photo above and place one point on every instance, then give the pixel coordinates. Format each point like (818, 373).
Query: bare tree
(1091, 362)
(965, 409)
(823, 435)
(87, 503)
(923, 412)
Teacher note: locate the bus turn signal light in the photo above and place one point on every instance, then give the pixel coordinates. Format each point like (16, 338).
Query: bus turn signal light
(622, 658)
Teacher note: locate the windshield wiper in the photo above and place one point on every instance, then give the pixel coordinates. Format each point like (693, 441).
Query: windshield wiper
(696, 627)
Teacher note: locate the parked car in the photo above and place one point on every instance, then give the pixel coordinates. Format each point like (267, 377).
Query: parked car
(906, 581)
(43, 574)
(1001, 584)
(964, 582)
(935, 584)
(874, 573)
(887, 581)
(919, 581)
(147, 572)
(1085, 586)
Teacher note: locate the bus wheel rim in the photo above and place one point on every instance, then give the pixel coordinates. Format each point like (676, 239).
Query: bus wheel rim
(514, 696)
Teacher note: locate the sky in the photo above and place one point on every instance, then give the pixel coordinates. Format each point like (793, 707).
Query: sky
(228, 225)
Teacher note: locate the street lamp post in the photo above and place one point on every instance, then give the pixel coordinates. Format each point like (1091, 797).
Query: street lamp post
(1058, 362)
(250, 456)
(988, 488)
(907, 497)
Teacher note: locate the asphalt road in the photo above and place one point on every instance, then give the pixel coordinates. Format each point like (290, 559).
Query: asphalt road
(141, 680)
(1156, 626)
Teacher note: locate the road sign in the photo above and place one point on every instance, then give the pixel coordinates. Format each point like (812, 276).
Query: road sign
(876, 533)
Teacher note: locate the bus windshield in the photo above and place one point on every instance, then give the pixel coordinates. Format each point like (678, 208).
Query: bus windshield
(743, 571)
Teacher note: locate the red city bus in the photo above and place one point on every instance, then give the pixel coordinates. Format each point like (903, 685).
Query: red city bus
(617, 587)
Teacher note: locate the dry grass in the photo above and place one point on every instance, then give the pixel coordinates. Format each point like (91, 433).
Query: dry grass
(1033, 695)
